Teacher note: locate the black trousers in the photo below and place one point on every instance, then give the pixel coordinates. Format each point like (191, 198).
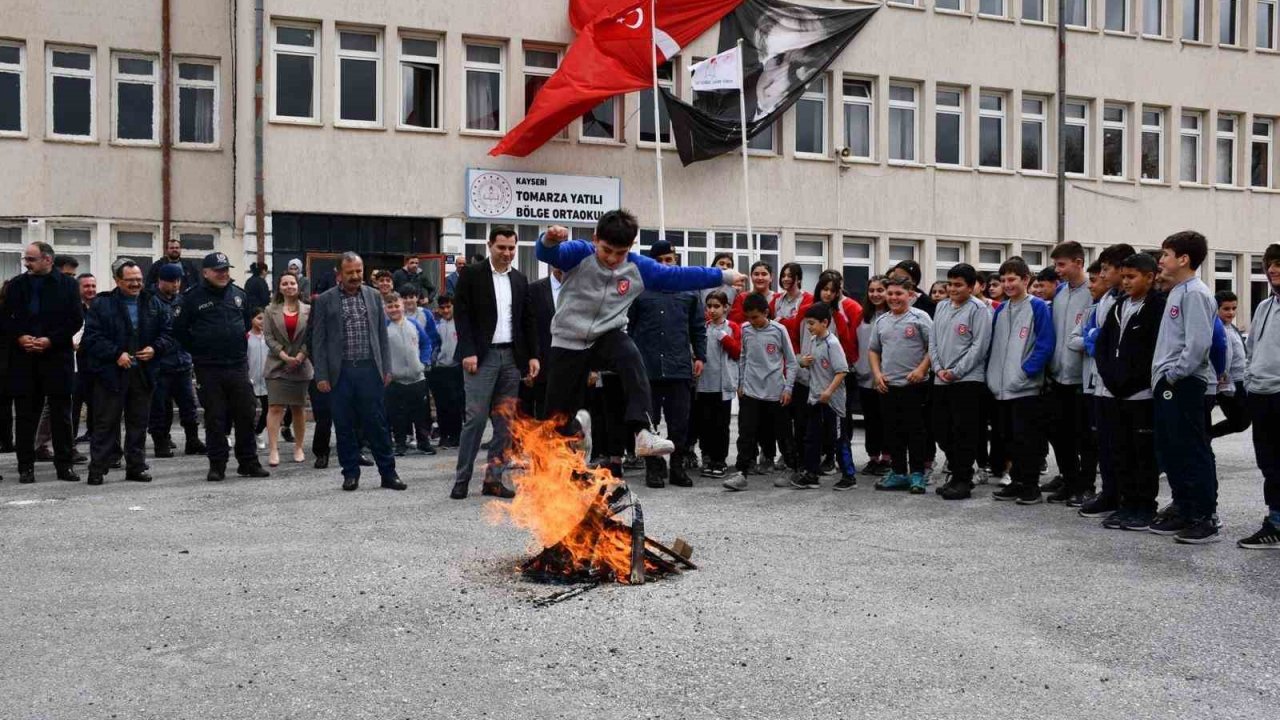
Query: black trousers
(1133, 448)
(821, 422)
(567, 379)
(263, 406)
(1182, 446)
(754, 416)
(1265, 410)
(711, 417)
(446, 386)
(1105, 426)
(955, 427)
(229, 406)
(798, 418)
(533, 399)
(905, 437)
(872, 421)
(29, 407)
(1236, 409)
(132, 402)
(997, 452)
(81, 399)
(172, 388)
(670, 400)
(6, 415)
(1073, 444)
(408, 412)
(1020, 423)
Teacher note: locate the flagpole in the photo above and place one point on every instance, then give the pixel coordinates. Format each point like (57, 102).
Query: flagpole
(746, 171)
(657, 120)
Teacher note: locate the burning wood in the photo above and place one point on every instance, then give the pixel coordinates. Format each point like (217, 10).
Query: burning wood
(588, 525)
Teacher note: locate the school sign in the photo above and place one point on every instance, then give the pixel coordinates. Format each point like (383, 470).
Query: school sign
(524, 197)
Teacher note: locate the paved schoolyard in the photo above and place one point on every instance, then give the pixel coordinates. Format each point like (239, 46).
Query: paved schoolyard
(287, 598)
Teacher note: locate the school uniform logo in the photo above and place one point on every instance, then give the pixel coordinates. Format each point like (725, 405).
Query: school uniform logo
(1079, 317)
(826, 364)
(771, 348)
(962, 330)
(909, 332)
(623, 286)
(1174, 312)
(1024, 332)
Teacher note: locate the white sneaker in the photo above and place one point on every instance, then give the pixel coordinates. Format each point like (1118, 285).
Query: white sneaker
(584, 420)
(737, 481)
(262, 443)
(650, 445)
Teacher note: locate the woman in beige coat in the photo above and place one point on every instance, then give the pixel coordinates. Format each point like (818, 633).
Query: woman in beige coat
(288, 369)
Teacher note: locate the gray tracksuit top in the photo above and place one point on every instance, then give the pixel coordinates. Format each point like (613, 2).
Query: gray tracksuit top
(961, 341)
(1262, 375)
(1186, 335)
(1070, 308)
(720, 373)
(1022, 344)
(828, 361)
(902, 342)
(767, 365)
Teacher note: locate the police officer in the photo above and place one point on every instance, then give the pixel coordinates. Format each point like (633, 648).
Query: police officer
(173, 377)
(211, 321)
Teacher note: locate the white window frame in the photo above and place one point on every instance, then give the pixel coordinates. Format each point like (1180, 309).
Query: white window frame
(1022, 12)
(811, 260)
(1027, 249)
(1004, 10)
(618, 129)
(1087, 4)
(1197, 134)
(91, 74)
(1082, 121)
(1221, 136)
(1269, 140)
(1158, 131)
(912, 106)
(118, 251)
(541, 72)
(152, 80)
(1233, 26)
(810, 95)
(180, 232)
(501, 69)
(959, 8)
(409, 59)
(1200, 21)
(868, 102)
(1126, 21)
(1121, 125)
(179, 83)
(375, 56)
(898, 244)
(1271, 24)
(85, 253)
(312, 52)
(1000, 115)
(14, 249)
(1162, 29)
(647, 113)
(1042, 121)
(1228, 275)
(19, 69)
(957, 110)
(868, 262)
(942, 265)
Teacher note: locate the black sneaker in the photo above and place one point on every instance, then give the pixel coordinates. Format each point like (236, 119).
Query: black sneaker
(1170, 525)
(714, 470)
(1268, 538)
(1099, 506)
(1061, 496)
(1008, 492)
(1199, 532)
(1054, 485)
(1115, 520)
(828, 467)
(805, 481)
(1030, 495)
(1138, 521)
(1166, 512)
(400, 450)
(1078, 500)
(957, 490)
(848, 482)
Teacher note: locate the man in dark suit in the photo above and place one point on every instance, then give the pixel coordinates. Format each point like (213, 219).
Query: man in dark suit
(42, 314)
(351, 355)
(543, 294)
(498, 344)
(173, 256)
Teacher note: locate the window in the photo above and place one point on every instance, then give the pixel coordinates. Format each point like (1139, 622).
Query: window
(738, 244)
(811, 118)
(71, 93)
(1076, 152)
(1114, 151)
(1034, 255)
(949, 119)
(955, 5)
(991, 7)
(859, 104)
(666, 80)
(990, 257)
(991, 130)
(601, 122)
(859, 264)
(294, 53)
(76, 242)
(1260, 153)
(1265, 20)
(137, 245)
(1076, 13)
(1259, 286)
(900, 250)
(1189, 148)
(946, 256)
(763, 140)
(420, 82)
(902, 123)
(359, 78)
(198, 243)
(1033, 10)
(1152, 143)
(811, 254)
(1116, 15)
(135, 99)
(483, 97)
(1224, 272)
(539, 65)
(197, 96)
(1033, 125)
(1226, 150)
(1153, 18)
(1192, 13)
(13, 98)
(1228, 22)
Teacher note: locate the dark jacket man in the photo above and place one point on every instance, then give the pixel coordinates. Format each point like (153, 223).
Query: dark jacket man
(670, 332)
(108, 333)
(55, 314)
(211, 324)
(475, 310)
(418, 279)
(190, 272)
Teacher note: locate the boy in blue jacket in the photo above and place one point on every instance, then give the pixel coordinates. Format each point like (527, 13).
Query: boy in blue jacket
(1022, 343)
(601, 280)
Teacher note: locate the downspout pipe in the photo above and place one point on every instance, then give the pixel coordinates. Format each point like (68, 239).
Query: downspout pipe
(1062, 121)
(259, 183)
(166, 121)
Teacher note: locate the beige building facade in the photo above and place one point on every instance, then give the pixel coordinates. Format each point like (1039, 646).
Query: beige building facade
(932, 137)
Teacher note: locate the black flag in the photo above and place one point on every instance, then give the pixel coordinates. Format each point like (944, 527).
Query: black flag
(784, 47)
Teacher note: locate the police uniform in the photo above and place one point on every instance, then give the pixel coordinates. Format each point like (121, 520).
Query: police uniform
(212, 323)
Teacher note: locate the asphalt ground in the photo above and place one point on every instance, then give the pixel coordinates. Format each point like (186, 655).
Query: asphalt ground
(288, 598)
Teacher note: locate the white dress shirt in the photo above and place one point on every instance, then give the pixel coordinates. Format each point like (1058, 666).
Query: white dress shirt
(555, 292)
(502, 334)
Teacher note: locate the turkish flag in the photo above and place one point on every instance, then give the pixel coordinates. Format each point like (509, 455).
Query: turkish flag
(612, 55)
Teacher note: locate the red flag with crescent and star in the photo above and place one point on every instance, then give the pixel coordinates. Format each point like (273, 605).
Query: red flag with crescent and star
(613, 55)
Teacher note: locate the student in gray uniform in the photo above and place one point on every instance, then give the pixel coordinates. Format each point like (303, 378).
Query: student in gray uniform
(958, 356)
(1022, 343)
(900, 364)
(1180, 374)
(717, 385)
(825, 363)
(1232, 396)
(446, 375)
(1073, 444)
(1262, 380)
(766, 376)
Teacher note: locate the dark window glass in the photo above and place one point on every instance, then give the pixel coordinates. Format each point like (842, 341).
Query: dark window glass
(10, 107)
(135, 111)
(294, 86)
(71, 106)
(359, 90)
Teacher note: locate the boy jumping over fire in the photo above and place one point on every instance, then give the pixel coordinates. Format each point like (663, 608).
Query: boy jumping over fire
(601, 280)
